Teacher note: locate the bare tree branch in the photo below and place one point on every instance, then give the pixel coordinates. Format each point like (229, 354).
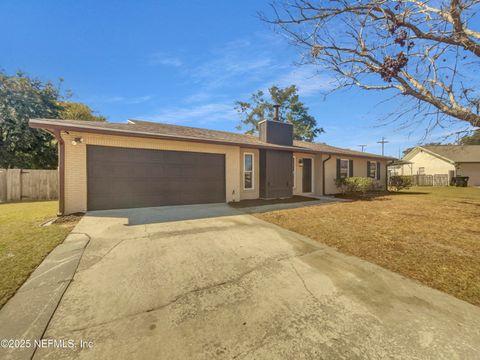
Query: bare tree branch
(425, 50)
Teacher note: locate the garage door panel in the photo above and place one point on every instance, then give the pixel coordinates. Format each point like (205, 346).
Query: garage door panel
(118, 187)
(123, 178)
(104, 187)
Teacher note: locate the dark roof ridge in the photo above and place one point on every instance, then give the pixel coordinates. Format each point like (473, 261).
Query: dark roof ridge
(146, 122)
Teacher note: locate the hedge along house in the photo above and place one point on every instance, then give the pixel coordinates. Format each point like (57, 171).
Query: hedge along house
(143, 164)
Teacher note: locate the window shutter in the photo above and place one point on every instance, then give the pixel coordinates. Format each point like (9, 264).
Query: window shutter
(378, 171)
(368, 168)
(338, 168)
(350, 167)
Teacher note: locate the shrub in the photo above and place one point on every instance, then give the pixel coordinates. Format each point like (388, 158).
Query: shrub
(355, 184)
(340, 184)
(398, 182)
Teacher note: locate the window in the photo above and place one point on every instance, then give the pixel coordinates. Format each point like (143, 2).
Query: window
(421, 171)
(294, 173)
(247, 171)
(344, 168)
(372, 169)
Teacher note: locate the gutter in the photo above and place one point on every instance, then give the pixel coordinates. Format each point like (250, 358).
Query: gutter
(53, 126)
(387, 164)
(61, 171)
(346, 155)
(140, 134)
(323, 173)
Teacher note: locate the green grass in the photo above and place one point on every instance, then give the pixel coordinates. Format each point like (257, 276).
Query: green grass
(24, 243)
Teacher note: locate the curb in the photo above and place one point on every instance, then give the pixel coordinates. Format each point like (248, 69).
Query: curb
(27, 314)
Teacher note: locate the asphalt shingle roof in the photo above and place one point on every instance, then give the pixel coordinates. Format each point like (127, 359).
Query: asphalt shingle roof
(324, 148)
(142, 127)
(457, 153)
(200, 133)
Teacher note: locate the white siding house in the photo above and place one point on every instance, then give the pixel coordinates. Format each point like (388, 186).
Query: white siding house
(448, 160)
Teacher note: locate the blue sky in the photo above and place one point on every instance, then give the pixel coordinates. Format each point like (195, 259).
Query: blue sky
(182, 62)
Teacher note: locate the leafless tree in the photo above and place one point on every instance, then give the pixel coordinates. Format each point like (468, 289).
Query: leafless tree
(426, 51)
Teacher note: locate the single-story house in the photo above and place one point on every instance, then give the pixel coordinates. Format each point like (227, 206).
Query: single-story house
(447, 160)
(141, 164)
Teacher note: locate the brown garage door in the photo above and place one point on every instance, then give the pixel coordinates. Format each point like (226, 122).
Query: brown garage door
(120, 178)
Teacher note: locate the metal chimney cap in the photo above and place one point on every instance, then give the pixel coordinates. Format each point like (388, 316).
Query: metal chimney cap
(275, 112)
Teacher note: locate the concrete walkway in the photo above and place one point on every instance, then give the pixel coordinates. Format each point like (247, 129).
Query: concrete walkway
(203, 282)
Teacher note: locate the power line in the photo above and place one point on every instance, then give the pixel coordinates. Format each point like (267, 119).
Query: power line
(383, 142)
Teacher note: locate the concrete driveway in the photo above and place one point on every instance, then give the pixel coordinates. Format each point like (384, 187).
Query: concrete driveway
(203, 282)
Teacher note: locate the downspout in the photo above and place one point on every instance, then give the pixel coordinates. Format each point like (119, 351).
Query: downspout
(386, 173)
(323, 173)
(61, 171)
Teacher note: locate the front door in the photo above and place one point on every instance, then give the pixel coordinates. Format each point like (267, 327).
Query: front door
(307, 175)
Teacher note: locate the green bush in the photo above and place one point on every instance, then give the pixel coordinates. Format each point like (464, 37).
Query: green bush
(355, 184)
(397, 182)
(341, 184)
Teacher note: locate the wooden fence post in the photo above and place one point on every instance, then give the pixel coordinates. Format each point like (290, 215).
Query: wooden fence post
(14, 186)
(3, 185)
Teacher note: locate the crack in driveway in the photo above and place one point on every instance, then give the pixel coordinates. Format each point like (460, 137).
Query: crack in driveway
(100, 258)
(200, 289)
(303, 281)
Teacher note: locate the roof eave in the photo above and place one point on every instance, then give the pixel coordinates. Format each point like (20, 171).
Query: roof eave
(369, 156)
(437, 155)
(362, 155)
(50, 125)
(56, 125)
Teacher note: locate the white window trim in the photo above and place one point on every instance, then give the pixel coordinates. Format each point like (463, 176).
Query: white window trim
(294, 172)
(348, 167)
(244, 172)
(369, 170)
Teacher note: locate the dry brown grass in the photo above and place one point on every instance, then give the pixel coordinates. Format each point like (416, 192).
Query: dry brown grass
(428, 234)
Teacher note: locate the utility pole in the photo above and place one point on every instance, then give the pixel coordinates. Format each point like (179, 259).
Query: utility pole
(363, 147)
(383, 142)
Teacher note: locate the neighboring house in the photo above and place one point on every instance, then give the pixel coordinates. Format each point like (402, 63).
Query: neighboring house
(448, 160)
(142, 164)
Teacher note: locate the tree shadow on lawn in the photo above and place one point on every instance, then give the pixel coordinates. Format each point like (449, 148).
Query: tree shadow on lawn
(468, 203)
(377, 196)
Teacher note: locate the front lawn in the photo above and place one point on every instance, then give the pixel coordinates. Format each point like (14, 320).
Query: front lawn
(430, 234)
(24, 243)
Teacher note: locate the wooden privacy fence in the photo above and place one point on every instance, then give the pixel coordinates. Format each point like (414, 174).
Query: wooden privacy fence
(430, 180)
(25, 184)
(440, 180)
